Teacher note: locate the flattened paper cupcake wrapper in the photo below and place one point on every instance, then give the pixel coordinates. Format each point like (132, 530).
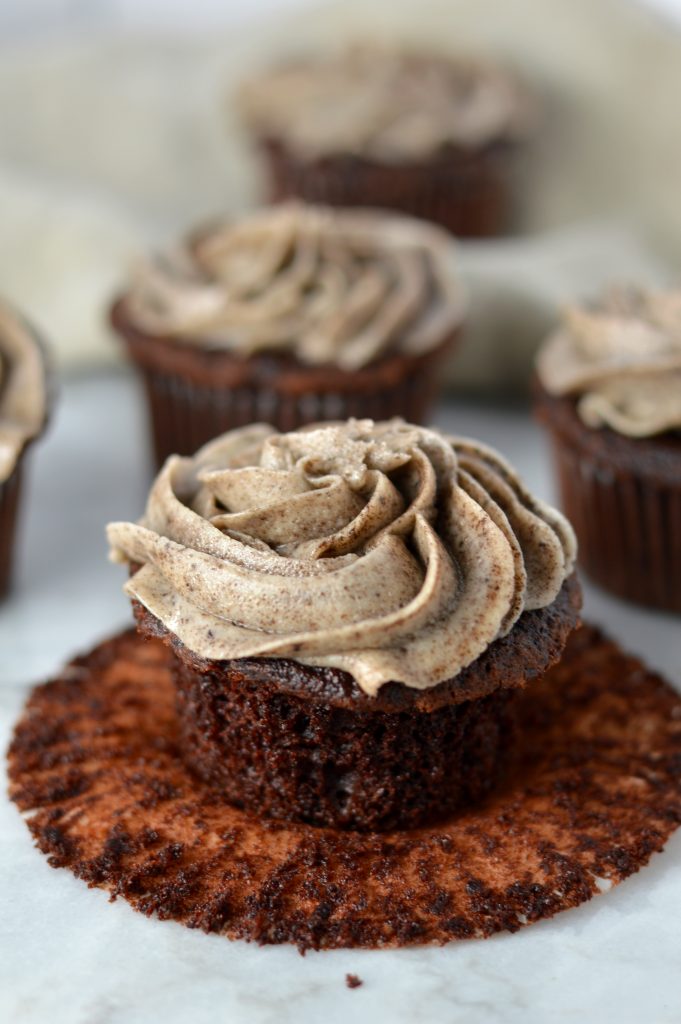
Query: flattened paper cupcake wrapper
(628, 525)
(470, 196)
(9, 503)
(591, 792)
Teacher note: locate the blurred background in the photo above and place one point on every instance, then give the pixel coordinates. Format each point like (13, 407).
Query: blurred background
(117, 133)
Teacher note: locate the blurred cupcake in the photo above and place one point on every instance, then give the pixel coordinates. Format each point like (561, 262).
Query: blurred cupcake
(23, 415)
(353, 607)
(433, 136)
(609, 393)
(289, 316)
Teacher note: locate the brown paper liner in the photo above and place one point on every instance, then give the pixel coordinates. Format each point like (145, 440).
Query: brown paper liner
(623, 498)
(593, 790)
(195, 394)
(467, 192)
(10, 491)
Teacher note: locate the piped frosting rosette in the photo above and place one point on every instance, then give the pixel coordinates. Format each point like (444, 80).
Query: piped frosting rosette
(389, 551)
(621, 358)
(390, 104)
(325, 286)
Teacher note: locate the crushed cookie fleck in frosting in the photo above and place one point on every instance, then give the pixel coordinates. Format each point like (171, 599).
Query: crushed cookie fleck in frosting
(385, 103)
(329, 287)
(621, 358)
(23, 392)
(391, 551)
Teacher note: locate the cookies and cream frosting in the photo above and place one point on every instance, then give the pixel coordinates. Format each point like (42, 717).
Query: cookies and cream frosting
(392, 105)
(326, 286)
(23, 398)
(621, 358)
(387, 550)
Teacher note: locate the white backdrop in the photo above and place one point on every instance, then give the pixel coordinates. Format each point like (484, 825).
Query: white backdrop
(31, 17)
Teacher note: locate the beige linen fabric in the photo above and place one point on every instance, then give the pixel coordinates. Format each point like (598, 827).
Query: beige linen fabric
(119, 143)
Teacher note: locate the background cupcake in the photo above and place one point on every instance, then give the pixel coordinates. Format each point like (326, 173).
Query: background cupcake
(433, 136)
(291, 315)
(352, 607)
(23, 414)
(610, 395)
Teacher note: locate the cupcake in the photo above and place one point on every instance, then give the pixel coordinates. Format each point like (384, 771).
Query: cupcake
(609, 394)
(292, 315)
(353, 608)
(434, 136)
(23, 415)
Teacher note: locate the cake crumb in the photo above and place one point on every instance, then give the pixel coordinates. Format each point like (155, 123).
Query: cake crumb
(353, 981)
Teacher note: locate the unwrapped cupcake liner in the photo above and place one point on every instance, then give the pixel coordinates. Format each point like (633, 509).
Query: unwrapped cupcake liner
(469, 194)
(628, 524)
(10, 491)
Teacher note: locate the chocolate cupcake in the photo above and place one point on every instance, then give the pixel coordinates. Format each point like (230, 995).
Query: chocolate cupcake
(433, 136)
(292, 315)
(353, 608)
(23, 415)
(609, 394)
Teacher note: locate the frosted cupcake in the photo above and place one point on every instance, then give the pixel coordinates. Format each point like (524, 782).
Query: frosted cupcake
(433, 136)
(23, 415)
(353, 607)
(291, 315)
(609, 394)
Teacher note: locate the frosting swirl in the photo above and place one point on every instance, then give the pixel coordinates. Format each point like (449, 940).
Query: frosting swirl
(327, 286)
(621, 357)
(23, 392)
(390, 551)
(389, 104)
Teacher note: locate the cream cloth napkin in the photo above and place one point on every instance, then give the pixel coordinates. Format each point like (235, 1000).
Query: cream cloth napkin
(113, 143)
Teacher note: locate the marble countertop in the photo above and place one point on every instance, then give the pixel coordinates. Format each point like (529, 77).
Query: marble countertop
(69, 956)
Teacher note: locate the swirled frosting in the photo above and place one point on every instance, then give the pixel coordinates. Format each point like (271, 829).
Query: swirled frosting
(388, 104)
(328, 286)
(390, 551)
(621, 358)
(23, 398)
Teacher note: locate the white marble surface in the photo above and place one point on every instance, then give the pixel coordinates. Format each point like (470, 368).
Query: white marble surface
(68, 957)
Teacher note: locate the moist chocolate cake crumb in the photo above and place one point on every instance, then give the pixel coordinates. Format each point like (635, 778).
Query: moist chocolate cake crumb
(282, 739)
(593, 790)
(353, 981)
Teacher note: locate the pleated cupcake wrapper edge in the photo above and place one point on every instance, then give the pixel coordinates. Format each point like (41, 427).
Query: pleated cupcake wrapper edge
(10, 491)
(472, 199)
(628, 526)
(185, 414)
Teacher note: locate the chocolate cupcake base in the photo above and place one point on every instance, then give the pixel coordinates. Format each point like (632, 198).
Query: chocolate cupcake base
(304, 744)
(623, 498)
(468, 192)
(10, 491)
(195, 394)
(587, 798)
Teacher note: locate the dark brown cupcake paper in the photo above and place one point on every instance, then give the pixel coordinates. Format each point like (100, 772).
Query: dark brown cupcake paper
(195, 394)
(467, 192)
